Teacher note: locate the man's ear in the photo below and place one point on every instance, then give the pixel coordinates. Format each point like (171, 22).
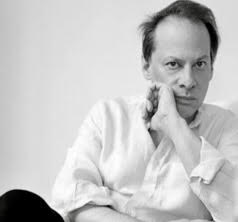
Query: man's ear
(146, 68)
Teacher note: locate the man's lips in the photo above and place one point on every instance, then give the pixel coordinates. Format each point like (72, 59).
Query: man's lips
(186, 100)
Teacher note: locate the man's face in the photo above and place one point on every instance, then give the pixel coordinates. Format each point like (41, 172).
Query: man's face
(181, 59)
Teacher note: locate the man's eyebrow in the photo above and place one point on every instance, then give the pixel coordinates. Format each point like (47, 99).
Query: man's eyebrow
(172, 57)
(180, 59)
(203, 57)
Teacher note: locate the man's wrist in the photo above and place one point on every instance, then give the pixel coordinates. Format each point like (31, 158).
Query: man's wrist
(187, 144)
(175, 122)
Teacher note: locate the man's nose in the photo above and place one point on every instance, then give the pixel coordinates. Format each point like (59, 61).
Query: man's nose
(186, 78)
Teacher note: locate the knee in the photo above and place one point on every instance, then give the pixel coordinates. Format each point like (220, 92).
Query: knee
(25, 205)
(20, 199)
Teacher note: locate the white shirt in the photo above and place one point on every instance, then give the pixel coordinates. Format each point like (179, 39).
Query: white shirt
(115, 162)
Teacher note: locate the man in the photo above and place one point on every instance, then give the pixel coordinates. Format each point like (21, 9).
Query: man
(166, 157)
(169, 157)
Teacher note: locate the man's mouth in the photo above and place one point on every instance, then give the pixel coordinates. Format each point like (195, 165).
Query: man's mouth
(184, 100)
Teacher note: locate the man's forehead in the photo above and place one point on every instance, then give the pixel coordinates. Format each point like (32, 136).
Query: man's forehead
(179, 35)
(173, 26)
(179, 20)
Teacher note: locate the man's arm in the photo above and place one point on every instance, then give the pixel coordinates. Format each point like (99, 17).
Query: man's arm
(187, 144)
(79, 192)
(90, 213)
(164, 118)
(210, 169)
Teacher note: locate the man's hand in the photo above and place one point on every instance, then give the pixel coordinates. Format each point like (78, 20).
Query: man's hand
(161, 113)
(151, 102)
(160, 110)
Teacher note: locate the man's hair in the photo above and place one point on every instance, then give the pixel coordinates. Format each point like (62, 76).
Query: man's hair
(188, 9)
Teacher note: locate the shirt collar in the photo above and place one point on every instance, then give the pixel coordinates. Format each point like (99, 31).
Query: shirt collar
(198, 118)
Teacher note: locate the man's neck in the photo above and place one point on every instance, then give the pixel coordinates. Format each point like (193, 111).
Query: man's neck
(191, 118)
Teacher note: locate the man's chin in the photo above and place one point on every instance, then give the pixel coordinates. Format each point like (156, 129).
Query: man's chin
(187, 113)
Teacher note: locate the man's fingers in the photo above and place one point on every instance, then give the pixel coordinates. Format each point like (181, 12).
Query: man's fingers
(145, 113)
(155, 103)
(153, 86)
(160, 87)
(149, 105)
(149, 94)
(152, 100)
(155, 94)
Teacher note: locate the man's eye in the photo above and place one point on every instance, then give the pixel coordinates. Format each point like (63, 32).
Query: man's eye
(201, 64)
(172, 65)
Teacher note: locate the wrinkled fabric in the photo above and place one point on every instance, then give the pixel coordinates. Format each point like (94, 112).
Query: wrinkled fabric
(114, 162)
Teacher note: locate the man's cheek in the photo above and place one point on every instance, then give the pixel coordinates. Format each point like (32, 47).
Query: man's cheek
(161, 76)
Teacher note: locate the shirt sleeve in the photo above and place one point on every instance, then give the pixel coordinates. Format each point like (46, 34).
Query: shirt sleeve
(213, 179)
(79, 182)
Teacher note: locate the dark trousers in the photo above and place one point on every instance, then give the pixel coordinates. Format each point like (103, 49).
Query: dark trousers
(22, 205)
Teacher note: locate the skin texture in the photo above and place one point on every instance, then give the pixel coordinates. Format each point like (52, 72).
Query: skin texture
(181, 60)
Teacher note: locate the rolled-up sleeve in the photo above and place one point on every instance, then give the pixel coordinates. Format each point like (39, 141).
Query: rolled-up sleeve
(213, 179)
(79, 182)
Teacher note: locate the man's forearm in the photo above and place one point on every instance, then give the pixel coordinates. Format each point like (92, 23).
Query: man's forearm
(187, 144)
(90, 213)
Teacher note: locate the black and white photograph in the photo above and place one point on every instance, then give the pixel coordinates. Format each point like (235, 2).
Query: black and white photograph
(118, 111)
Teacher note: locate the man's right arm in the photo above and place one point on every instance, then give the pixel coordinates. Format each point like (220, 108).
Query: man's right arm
(106, 214)
(79, 193)
(96, 213)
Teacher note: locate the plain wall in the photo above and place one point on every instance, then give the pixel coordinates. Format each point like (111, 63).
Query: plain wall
(57, 58)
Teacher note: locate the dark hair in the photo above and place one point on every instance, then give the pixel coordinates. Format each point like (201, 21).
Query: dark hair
(193, 11)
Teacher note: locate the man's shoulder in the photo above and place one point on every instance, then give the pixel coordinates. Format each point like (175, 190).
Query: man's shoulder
(214, 108)
(214, 112)
(121, 102)
(119, 105)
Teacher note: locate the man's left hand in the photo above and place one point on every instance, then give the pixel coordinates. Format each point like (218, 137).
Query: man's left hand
(161, 108)
(166, 120)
